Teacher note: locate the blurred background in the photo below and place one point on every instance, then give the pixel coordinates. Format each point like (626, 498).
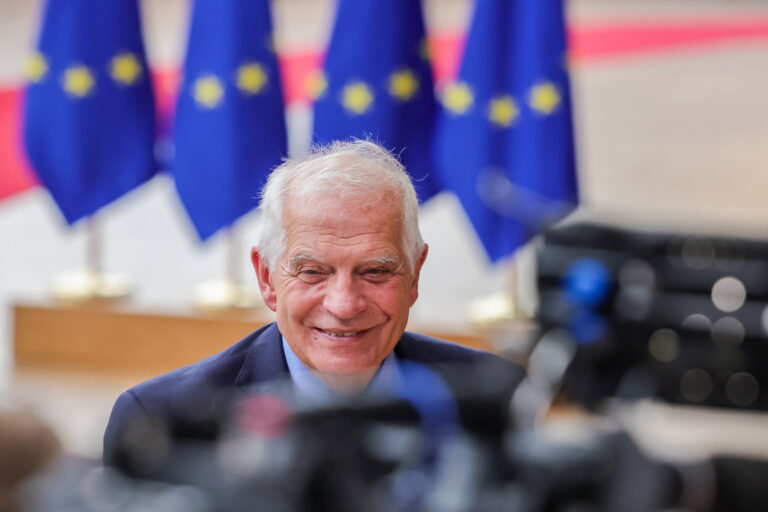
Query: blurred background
(671, 125)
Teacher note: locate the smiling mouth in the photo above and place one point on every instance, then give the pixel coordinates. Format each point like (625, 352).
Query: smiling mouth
(341, 334)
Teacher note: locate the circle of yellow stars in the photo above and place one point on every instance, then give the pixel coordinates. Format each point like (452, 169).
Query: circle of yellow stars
(36, 67)
(125, 68)
(78, 81)
(502, 111)
(403, 85)
(458, 98)
(208, 91)
(357, 97)
(251, 78)
(544, 98)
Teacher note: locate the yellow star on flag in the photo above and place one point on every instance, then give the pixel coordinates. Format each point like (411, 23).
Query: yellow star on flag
(125, 68)
(545, 98)
(251, 78)
(78, 81)
(208, 91)
(403, 84)
(357, 97)
(36, 67)
(503, 111)
(316, 84)
(458, 98)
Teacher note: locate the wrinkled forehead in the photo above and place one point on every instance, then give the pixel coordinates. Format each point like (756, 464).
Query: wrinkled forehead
(344, 217)
(348, 201)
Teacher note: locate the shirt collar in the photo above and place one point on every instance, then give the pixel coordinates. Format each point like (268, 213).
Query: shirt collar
(310, 390)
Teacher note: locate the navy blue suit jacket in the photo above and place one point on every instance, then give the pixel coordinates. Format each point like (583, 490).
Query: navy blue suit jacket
(257, 361)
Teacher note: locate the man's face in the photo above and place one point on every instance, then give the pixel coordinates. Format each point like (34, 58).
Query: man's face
(342, 288)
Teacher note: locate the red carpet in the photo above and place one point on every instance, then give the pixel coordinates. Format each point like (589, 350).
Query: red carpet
(624, 39)
(589, 43)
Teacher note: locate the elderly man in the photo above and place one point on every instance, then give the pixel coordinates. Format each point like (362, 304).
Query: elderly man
(338, 260)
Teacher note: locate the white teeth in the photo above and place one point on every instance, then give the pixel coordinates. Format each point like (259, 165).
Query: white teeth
(342, 334)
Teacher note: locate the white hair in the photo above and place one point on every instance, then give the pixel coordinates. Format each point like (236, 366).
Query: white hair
(343, 170)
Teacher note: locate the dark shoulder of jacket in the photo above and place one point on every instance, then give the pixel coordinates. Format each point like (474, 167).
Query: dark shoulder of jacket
(457, 359)
(428, 349)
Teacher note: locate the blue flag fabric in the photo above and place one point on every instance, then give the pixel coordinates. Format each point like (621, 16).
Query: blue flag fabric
(377, 83)
(504, 142)
(89, 111)
(230, 123)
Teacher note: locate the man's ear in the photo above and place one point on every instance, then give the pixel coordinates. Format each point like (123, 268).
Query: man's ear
(417, 273)
(265, 279)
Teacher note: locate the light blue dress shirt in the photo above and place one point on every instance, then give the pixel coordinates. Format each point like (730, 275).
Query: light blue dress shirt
(310, 390)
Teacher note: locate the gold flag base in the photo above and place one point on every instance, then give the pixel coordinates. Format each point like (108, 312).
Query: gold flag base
(86, 285)
(222, 294)
(508, 329)
(493, 309)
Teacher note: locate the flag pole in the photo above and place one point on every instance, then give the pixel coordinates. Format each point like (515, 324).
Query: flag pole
(71, 111)
(91, 283)
(506, 317)
(228, 292)
(93, 252)
(501, 306)
(234, 253)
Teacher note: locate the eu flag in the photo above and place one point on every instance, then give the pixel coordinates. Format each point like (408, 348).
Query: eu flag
(377, 83)
(230, 124)
(504, 143)
(89, 111)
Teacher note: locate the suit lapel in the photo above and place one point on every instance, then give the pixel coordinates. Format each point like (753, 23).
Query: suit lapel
(409, 349)
(265, 361)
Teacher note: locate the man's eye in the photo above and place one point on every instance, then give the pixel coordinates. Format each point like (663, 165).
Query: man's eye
(377, 274)
(310, 275)
(377, 271)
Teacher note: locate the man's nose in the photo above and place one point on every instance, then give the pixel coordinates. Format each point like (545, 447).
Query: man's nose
(344, 299)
